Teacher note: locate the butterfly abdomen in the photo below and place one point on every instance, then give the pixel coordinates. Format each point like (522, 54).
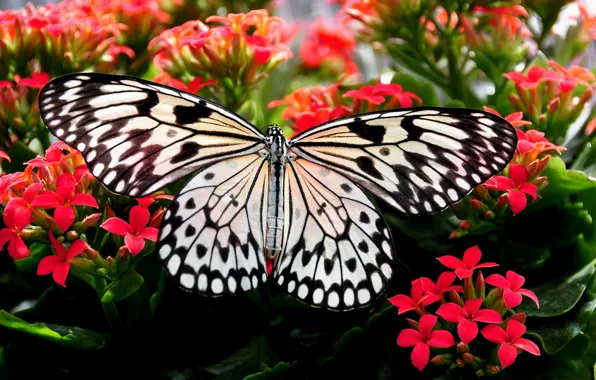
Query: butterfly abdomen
(275, 211)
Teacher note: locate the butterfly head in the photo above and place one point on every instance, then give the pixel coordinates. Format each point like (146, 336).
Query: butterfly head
(273, 130)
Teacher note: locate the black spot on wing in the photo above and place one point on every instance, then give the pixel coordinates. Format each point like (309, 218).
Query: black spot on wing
(372, 133)
(192, 114)
(188, 150)
(367, 165)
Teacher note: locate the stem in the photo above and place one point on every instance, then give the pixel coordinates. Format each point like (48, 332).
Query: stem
(109, 308)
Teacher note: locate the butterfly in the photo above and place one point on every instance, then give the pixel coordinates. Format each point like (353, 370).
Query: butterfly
(305, 203)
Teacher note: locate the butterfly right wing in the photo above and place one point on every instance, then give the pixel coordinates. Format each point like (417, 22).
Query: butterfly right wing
(212, 236)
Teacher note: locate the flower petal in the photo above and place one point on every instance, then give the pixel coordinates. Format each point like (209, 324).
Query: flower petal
(530, 294)
(451, 262)
(517, 201)
(530, 189)
(149, 233)
(84, 200)
(64, 217)
(139, 217)
(515, 330)
(420, 355)
(429, 285)
(467, 330)
(518, 173)
(445, 280)
(5, 235)
(417, 290)
(47, 264)
(495, 334)
(527, 345)
(463, 273)
(403, 302)
(76, 248)
(46, 201)
(472, 306)
(498, 280)
(488, 316)
(441, 339)
(507, 355)
(58, 247)
(515, 280)
(512, 299)
(17, 248)
(426, 324)
(452, 312)
(116, 226)
(134, 243)
(409, 338)
(472, 256)
(60, 272)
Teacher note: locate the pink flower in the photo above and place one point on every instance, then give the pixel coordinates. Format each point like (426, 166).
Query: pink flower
(466, 267)
(443, 284)
(510, 341)
(12, 234)
(64, 199)
(405, 303)
(134, 233)
(4, 156)
(423, 339)
(59, 265)
(513, 292)
(467, 317)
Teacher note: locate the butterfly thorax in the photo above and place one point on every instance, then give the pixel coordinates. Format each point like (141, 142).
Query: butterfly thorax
(278, 150)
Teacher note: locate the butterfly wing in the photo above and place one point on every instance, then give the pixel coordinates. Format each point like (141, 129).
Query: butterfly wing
(212, 236)
(418, 160)
(138, 136)
(337, 251)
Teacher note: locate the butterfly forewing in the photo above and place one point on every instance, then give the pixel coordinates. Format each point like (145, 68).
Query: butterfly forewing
(337, 249)
(418, 160)
(212, 236)
(138, 136)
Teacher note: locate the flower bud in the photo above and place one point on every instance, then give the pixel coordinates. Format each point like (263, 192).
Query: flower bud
(464, 225)
(479, 373)
(492, 297)
(478, 205)
(71, 236)
(91, 253)
(480, 286)
(91, 220)
(109, 211)
(516, 102)
(553, 105)
(468, 357)
(110, 261)
(157, 218)
(412, 323)
(520, 317)
(455, 297)
(460, 363)
(489, 215)
(445, 359)
(469, 291)
(462, 347)
(494, 369)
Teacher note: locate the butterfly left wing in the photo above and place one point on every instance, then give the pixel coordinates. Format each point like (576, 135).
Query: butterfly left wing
(138, 136)
(337, 251)
(212, 235)
(418, 160)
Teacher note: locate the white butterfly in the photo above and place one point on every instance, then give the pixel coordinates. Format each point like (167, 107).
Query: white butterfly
(300, 201)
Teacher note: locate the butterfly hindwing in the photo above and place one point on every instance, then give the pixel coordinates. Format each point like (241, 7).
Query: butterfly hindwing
(337, 250)
(418, 160)
(138, 136)
(212, 236)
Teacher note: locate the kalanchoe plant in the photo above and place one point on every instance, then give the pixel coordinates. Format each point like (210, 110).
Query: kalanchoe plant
(465, 311)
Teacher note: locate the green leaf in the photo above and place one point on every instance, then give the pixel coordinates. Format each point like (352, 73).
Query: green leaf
(558, 296)
(455, 103)
(424, 90)
(70, 336)
(19, 154)
(280, 371)
(563, 182)
(348, 338)
(37, 252)
(161, 285)
(123, 288)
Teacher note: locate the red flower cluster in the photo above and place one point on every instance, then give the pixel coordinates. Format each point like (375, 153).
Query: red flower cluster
(552, 98)
(242, 51)
(462, 309)
(329, 47)
(308, 107)
(19, 113)
(64, 37)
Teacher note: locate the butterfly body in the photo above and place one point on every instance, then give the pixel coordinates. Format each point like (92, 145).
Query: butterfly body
(305, 201)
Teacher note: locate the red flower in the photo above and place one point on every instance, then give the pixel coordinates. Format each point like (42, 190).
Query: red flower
(510, 341)
(443, 284)
(149, 199)
(23, 205)
(59, 265)
(466, 267)
(535, 76)
(64, 199)
(512, 286)
(515, 186)
(515, 118)
(467, 317)
(423, 339)
(11, 234)
(4, 156)
(134, 233)
(405, 303)
(376, 94)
